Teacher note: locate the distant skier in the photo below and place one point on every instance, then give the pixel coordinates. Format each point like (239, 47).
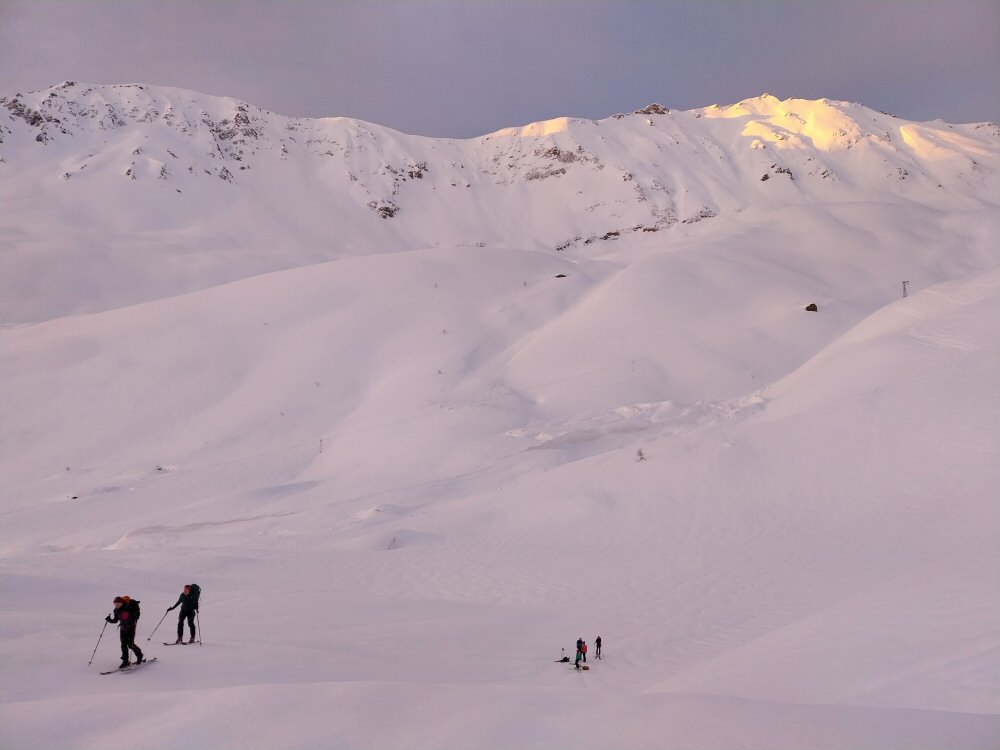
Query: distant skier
(584, 649)
(579, 652)
(597, 647)
(188, 601)
(126, 614)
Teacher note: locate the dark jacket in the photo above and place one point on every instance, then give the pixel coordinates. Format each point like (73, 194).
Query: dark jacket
(188, 603)
(126, 615)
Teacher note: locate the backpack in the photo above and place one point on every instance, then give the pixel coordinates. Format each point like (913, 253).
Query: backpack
(133, 609)
(195, 593)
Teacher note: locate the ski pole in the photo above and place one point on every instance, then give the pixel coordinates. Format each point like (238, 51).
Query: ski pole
(197, 615)
(98, 642)
(159, 623)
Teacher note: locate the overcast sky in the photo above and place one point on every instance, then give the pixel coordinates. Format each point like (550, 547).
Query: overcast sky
(463, 68)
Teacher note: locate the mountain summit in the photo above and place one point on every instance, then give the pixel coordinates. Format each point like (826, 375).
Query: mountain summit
(137, 169)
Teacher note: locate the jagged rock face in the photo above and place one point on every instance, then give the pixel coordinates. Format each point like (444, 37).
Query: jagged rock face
(143, 165)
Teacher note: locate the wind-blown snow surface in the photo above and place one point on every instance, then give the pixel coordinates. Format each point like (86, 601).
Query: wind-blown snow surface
(398, 444)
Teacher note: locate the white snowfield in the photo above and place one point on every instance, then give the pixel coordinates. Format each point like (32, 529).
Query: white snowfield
(418, 413)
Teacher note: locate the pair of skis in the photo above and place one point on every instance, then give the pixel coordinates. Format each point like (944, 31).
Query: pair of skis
(133, 667)
(130, 667)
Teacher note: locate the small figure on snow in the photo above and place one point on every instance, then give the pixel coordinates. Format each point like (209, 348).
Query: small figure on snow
(579, 652)
(188, 601)
(597, 646)
(126, 614)
(584, 649)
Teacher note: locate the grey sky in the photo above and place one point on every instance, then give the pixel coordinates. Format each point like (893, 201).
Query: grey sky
(464, 68)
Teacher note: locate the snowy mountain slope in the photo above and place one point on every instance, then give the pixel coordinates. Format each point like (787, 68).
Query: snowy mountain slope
(410, 458)
(103, 170)
(834, 533)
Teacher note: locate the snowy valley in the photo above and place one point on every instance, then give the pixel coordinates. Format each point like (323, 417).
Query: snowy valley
(418, 413)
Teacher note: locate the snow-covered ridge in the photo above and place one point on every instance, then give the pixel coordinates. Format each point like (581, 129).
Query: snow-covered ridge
(122, 164)
(234, 135)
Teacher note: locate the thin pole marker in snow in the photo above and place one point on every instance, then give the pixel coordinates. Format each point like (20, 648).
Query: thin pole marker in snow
(905, 284)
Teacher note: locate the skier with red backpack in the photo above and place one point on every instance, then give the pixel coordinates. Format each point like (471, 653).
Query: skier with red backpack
(126, 614)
